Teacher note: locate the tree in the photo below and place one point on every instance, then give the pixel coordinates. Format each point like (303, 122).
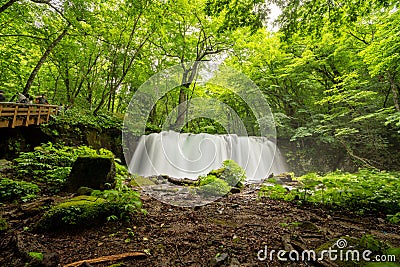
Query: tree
(194, 31)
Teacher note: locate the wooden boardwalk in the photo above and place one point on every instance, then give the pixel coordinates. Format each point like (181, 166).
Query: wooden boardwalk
(17, 114)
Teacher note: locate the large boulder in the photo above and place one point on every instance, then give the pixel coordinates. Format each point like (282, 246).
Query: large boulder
(92, 172)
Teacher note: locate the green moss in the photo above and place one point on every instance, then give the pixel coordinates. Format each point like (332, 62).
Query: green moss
(78, 211)
(230, 172)
(233, 174)
(210, 185)
(141, 181)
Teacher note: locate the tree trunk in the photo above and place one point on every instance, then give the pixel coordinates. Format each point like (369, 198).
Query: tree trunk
(187, 79)
(7, 5)
(395, 94)
(182, 109)
(42, 60)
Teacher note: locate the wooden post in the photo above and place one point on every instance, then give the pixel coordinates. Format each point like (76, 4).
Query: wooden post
(38, 118)
(27, 116)
(15, 117)
(48, 114)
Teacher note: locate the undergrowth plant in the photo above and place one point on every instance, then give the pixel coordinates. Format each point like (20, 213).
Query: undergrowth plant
(11, 190)
(368, 191)
(77, 116)
(49, 165)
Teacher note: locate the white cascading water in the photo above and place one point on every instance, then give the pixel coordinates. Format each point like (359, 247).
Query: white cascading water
(183, 155)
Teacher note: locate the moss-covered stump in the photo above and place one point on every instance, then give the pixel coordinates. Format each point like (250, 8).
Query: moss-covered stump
(77, 212)
(92, 172)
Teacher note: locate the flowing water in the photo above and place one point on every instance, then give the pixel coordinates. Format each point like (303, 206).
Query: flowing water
(183, 155)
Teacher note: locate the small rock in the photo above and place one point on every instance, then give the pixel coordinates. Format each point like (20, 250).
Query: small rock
(286, 177)
(380, 220)
(50, 259)
(234, 263)
(235, 190)
(275, 180)
(235, 239)
(84, 191)
(219, 259)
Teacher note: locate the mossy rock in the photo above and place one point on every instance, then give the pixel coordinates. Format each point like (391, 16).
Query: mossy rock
(141, 181)
(211, 186)
(217, 172)
(93, 172)
(231, 173)
(77, 212)
(84, 191)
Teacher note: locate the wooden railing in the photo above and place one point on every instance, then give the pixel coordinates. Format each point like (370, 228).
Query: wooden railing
(16, 114)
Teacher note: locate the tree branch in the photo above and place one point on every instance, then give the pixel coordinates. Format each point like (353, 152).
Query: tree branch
(42, 60)
(23, 35)
(358, 38)
(7, 5)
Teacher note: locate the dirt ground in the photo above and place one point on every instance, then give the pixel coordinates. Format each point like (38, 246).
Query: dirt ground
(228, 232)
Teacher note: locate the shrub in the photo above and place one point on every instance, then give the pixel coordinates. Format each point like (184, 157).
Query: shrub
(11, 190)
(76, 116)
(362, 192)
(394, 218)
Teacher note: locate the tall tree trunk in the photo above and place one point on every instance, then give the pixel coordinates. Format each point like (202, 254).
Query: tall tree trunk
(113, 103)
(187, 79)
(182, 109)
(42, 60)
(395, 90)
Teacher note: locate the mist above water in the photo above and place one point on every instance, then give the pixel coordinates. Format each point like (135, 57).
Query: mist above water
(184, 155)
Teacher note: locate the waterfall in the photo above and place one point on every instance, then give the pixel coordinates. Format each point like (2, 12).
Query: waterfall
(184, 155)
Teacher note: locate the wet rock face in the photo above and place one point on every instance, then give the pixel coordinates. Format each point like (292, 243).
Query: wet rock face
(92, 172)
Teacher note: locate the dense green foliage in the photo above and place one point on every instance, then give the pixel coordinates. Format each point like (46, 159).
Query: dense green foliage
(49, 165)
(330, 72)
(11, 190)
(75, 117)
(368, 191)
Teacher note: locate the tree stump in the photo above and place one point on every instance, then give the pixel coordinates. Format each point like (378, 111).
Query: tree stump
(92, 172)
